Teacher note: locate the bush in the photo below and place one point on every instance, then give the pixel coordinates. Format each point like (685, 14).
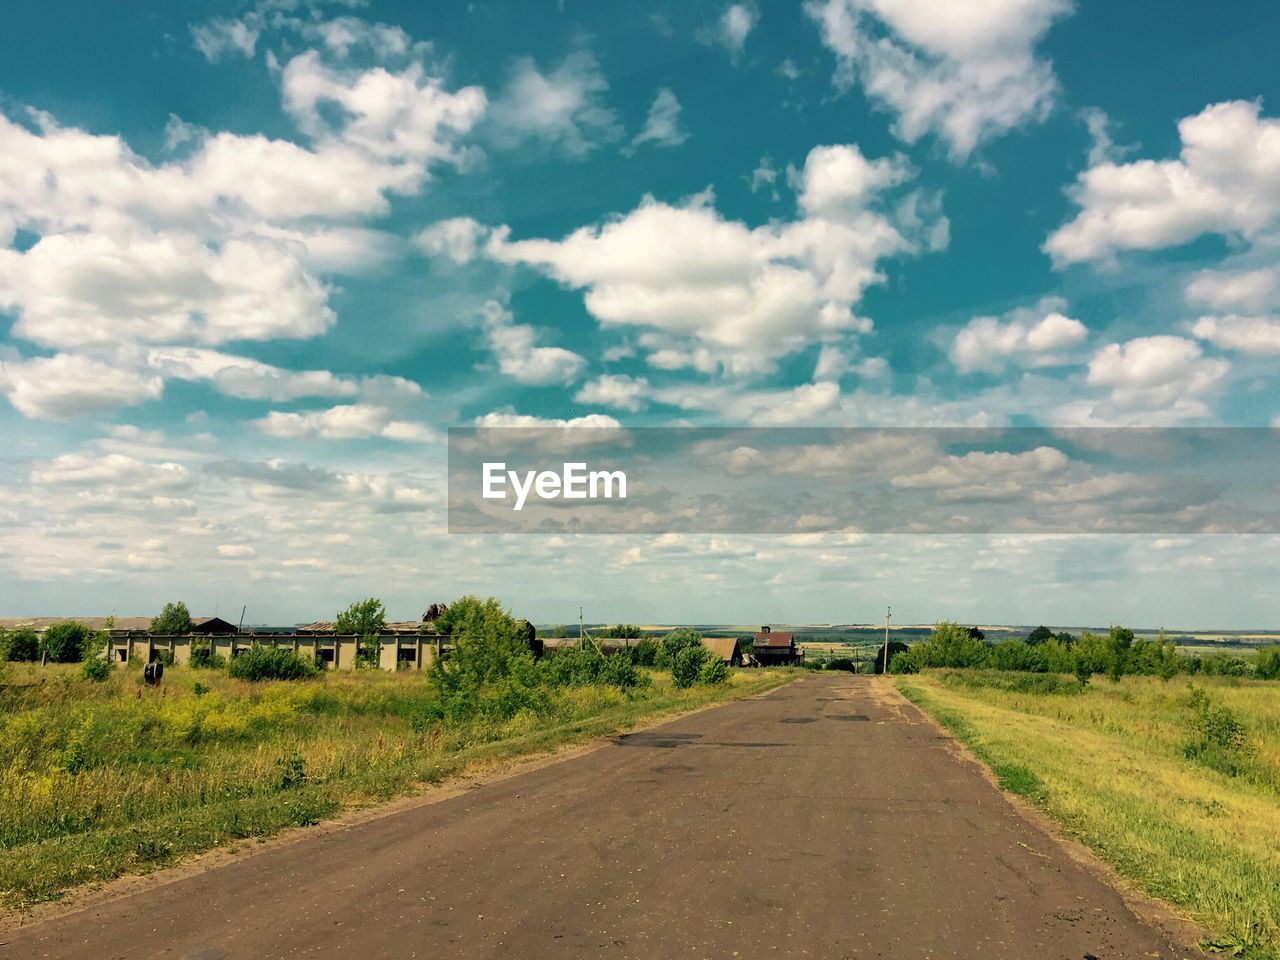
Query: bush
(584, 667)
(1267, 666)
(675, 642)
(65, 642)
(491, 672)
(23, 643)
(174, 618)
(643, 654)
(96, 669)
(270, 663)
(203, 657)
(165, 656)
(714, 670)
(686, 666)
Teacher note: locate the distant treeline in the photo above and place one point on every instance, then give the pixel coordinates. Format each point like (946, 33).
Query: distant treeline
(1115, 654)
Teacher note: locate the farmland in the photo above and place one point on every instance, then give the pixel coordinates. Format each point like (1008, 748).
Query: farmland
(1173, 782)
(100, 779)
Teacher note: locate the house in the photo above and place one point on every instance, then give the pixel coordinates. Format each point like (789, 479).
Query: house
(770, 647)
(725, 649)
(205, 626)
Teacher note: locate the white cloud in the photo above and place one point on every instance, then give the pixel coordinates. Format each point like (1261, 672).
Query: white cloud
(114, 476)
(1150, 373)
(731, 29)
(518, 357)
(346, 422)
(457, 238)
(220, 36)
(235, 551)
(747, 294)
(662, 126)
(1033, 337)
(67, 385)
(1254, 335)
(1226, 181)
(1235, 289)
(76, 290)
(615, 390)
(981, 475)
(562, 109)
(966, 73)
(595, 421)
(251, 379)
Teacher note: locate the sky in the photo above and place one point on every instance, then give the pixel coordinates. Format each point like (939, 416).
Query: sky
(257, 258)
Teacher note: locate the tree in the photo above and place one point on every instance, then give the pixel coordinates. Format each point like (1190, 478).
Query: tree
(1119, 643)
(1039, 635)
(65, 642)
(491, 671)
(625, 631)
(686, 665)
(23, 644)
(174, 618)
(950, 645)
(676, 641)
(366, 619)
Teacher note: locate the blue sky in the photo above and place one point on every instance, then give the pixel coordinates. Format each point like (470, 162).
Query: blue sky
(255, 259)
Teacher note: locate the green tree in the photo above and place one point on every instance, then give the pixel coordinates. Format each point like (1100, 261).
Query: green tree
(949, 645)
(366, 619)
(625, 631)
(1039, 635)
(490, 671)
(1267, 665)
(23, 643)
(65, 642)
(686, 665)
(676, 641)
(174, 618)
(1119, 644)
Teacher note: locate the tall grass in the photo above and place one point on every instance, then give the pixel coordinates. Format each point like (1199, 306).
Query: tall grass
(98, 779)
(1179, 789)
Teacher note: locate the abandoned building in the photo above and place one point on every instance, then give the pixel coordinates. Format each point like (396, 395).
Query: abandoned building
(770, 647)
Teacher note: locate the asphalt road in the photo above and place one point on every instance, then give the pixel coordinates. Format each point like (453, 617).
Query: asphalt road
(826, 819)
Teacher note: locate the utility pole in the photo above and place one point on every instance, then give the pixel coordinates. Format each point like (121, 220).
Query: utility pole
(582, 637)
(888, 616)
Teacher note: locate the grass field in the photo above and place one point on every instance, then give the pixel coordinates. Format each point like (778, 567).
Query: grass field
(101, 779)
(1180, 791)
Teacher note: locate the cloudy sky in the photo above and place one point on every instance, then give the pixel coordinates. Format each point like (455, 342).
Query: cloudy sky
(255, 259)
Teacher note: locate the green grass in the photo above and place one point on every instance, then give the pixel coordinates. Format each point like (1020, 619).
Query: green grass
(1125, 768)
(101, 779)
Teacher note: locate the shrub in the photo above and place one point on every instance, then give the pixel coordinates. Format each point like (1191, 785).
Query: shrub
(676, 641)
(491, 671)
(643, 654)
(65, 642)
(165, 656)
(203, 657)
(1267, 666)
(577, 668)
(270, 663)
(686, 666)
(23, 643)
(174, 618)
(96, 669)
(714, 670)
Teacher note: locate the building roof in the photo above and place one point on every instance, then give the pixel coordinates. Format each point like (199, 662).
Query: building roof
(393, 626)
(773, 639)
(722, 647)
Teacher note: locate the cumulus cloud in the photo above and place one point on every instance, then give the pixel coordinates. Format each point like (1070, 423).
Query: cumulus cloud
(1255, 335)
(563, 110)
(250, 379)
(1151, 373)
(615, 390)
(1226, 180)
(356, 421)
(514, 347)
(966, 73)
(1235, 289)
(987, 476)
(68, 385)
(743, 294)
(83, 289)
(662, 126)
(1032, 337)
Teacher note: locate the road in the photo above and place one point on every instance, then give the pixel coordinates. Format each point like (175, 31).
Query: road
(826, 819)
